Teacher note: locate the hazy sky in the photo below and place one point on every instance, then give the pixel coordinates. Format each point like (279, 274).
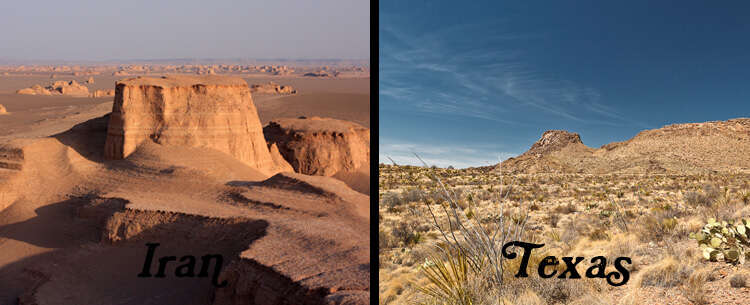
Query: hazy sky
(101, 30)
(470, 83)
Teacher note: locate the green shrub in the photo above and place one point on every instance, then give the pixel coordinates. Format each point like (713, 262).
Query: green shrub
(406, 234)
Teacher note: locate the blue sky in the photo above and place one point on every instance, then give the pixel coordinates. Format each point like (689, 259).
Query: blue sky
(77, 30)
(469, 84)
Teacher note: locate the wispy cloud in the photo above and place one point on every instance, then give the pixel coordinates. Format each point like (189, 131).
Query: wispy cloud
(458, 156)
(485, 81)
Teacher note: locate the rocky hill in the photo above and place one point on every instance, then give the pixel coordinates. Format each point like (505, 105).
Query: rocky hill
(718, 146)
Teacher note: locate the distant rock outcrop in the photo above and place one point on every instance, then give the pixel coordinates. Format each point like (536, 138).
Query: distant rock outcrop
(201, 111)
(3, 110)
(680, 148)
(34, 90)
(322, 73)
(553, 140)
(320, 146)
(271, 88)
(103, 93)
(69, 88)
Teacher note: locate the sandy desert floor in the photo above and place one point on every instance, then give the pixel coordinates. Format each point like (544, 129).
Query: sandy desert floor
(72, 221)
(31, 115)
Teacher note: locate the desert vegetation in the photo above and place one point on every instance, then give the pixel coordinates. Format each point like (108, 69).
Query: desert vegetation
(441, 231)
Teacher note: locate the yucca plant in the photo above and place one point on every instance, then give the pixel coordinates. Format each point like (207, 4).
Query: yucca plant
(448, 275)
(481, 245)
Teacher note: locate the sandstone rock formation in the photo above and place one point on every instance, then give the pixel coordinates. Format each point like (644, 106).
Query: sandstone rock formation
(103, 93)
(90, 80)
(3, 110)
(69, 88)
(34, 90)
(322, 73)
(679, 148)
(202, 111)
(320, 146)
(271, 88)
(287, 239)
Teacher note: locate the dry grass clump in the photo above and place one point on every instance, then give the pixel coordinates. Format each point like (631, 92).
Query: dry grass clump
(738, 280)
(394, 200)
(660, 224)
(526, 297)
(695, 287)
(553, 219)
(385, 240)
(666, 273)
(565, 208)
(398, 289)
(745, 197)
(704, 199)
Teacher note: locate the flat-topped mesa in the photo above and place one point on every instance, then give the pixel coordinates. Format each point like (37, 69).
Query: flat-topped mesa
(201, 111)
(320, 146)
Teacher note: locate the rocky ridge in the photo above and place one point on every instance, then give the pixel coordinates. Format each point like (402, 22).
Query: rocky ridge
(717, 146)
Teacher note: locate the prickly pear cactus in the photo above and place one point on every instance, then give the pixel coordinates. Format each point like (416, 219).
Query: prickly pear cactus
(727, 240)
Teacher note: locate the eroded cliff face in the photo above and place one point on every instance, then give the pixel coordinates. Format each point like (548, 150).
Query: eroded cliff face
(320, 146)
(200, 111)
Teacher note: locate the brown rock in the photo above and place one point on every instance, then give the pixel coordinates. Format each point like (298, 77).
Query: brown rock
(320, 146)
(271, 88)
(90, 80)
(34, 90)
(553, 140)
(69, 88)
(209, 111)
(3, 110)
(103, 93)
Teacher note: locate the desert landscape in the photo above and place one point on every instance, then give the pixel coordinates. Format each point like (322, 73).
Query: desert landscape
(175, 183)
(675, 200)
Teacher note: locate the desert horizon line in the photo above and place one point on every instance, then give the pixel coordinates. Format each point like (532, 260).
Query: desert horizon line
(192, 60)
